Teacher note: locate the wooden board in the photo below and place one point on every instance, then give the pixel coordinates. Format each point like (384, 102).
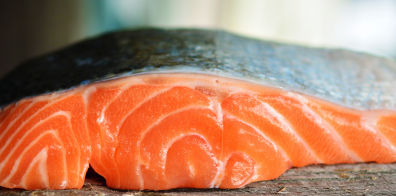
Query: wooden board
(348, 179)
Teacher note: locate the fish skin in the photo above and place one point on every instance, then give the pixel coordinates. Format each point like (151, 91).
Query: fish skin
(350, 79)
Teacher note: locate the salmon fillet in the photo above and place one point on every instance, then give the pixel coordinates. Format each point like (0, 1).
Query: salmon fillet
(200, 109)
(163, 131)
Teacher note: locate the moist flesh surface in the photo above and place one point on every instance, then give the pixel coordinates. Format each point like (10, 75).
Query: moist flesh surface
(163, 131)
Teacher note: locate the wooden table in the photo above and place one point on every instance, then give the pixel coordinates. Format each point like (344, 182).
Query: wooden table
(352, 179)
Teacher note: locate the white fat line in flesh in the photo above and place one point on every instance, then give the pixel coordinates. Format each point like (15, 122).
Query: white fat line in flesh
(120, 91)
(84, 171)
(86, 97)
(88, 93)
(42, 158)
(16, 118)
(164, 153)
(369, 122)
(18, 161)
(287, 127)
(325, 125)
(139, 80)
(158, 121)
(215, 105)
(255, 174)
(102, 114)
(277, 148)
(153, 95)
(102, 118)
(27, 120)
(35, 100)
(194, 79)
(332, 132)
(2, 163)
(218, 178)
(91, 89)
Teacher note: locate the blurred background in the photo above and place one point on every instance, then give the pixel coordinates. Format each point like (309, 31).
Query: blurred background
(30, 28)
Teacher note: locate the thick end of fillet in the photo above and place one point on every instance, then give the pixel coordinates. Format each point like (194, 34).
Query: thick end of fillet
(44, 145)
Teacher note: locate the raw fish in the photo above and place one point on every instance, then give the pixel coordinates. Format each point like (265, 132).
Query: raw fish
(162, 109)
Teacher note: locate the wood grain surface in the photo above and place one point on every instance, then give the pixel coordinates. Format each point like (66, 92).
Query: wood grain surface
(346, 179)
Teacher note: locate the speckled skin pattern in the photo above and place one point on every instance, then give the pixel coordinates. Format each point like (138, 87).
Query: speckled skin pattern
(347, 78)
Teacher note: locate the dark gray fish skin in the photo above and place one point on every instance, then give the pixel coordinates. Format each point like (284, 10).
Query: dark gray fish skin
(355, 80)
